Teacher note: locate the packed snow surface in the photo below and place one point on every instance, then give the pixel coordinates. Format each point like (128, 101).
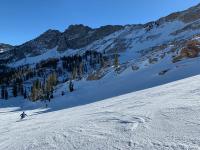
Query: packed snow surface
(163, 117)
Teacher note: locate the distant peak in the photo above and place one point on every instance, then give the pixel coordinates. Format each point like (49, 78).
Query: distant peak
(52, 31)
(5, 45)
(77, 27)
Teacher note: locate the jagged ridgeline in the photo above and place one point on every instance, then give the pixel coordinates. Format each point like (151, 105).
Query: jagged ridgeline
(75, 37)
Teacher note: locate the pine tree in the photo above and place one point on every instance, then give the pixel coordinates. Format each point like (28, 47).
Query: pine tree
(6, 94)
(54, 79)
(116, 61)
(80, 70)
(37, 84)
(51, 96)
(47, 89)
(14, 89)
(71, 86)
(2, 92)
(49, 86)
(21, 89)
(74, 73)
(102, 62)
(34, 93)
(25, 94)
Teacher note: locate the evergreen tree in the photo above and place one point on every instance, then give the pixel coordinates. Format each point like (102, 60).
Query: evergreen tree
(71, 86)
(116, 61)
(80, 70)
(6, 94)
(2, 92)
(49, 86)
(47, 89)
(36, 91)
(54, 79)
(51, 94)
(14, 89)
(74, 73)
(25, 94)
(21, 89)
(102, 62)
(37, 84)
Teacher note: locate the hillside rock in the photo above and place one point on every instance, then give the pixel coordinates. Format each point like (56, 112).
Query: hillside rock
(191, 50)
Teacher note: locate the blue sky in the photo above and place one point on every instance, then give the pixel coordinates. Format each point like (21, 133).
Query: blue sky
(22, 20)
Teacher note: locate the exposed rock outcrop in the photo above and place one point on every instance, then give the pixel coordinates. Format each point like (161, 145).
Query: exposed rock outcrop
(191, 50)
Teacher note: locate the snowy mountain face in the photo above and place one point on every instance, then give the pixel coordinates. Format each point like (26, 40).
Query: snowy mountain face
(134, 41)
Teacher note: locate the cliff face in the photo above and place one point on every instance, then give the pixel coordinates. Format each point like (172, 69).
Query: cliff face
(78, 36)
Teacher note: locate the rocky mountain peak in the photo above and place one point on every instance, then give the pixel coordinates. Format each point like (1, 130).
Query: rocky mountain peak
(48, 34)
(48, 39)
(79, 36)
(77, 27)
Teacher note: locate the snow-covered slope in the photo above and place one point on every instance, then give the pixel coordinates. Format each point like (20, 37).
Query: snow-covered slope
(164, 117)
(123, 109)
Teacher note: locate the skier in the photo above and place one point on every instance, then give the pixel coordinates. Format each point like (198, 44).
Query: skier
(23, 115)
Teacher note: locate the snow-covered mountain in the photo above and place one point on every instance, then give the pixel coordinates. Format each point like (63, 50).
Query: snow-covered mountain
(163, 42)
(123, 106)
(75, 37)
(166, 35)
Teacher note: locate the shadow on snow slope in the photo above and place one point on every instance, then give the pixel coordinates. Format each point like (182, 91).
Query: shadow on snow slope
(110, 86)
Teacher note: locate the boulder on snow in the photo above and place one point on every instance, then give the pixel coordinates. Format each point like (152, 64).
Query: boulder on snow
(163, 72)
